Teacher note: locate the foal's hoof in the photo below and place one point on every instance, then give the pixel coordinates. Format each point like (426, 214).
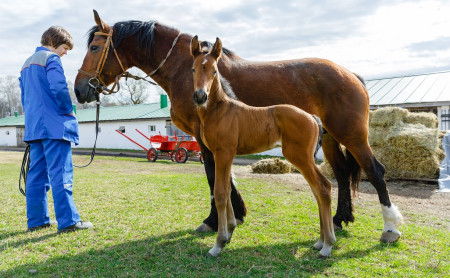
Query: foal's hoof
(318, 245)
(389, 237)
(214, 252)
(203, 228)
(336, 227)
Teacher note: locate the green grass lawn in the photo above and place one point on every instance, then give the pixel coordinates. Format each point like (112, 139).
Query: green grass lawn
(145, 215)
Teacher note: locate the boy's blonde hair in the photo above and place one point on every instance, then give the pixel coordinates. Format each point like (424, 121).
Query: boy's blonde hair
(56, 36)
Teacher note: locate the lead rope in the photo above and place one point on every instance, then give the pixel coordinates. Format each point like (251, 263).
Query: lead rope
(26, 156)
(97, 119)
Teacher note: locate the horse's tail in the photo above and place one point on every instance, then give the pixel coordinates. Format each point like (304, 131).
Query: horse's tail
(360, 79)
(320, 138)
(354, 171)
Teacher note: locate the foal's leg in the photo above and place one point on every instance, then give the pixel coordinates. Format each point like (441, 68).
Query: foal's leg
(375, 173)
(222, 189)
(321, 188)
(240, 210)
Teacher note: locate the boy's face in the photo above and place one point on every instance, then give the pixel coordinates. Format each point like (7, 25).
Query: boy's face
(61, 50)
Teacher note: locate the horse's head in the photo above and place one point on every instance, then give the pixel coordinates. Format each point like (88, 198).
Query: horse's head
(204, 69)
(100, 68)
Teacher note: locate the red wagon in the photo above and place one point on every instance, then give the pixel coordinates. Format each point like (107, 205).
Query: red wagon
(178, 148)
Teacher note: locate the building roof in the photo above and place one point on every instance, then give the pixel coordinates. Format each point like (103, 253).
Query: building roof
(112, 113)
(431, 89)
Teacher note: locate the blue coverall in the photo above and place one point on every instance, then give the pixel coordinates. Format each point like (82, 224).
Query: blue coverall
(50, 127)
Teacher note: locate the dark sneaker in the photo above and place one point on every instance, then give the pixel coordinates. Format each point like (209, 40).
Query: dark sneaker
(78, 226)
(46, 225)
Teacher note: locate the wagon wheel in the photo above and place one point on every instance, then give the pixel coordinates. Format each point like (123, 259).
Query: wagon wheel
(152, 155)
(202, 161)
(181, 155)
(172, 156)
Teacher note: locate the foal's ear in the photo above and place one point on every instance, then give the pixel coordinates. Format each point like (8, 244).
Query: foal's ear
(216, 52)
(195, 47)
(101, 25)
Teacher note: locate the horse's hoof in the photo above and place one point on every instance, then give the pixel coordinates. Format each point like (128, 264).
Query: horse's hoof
(203, 228)
(389, 237)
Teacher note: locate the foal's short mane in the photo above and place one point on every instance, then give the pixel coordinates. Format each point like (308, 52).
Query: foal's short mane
(227, 87)
(145, 31)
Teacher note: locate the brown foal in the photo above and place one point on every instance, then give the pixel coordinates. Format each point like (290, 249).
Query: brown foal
(230, 127)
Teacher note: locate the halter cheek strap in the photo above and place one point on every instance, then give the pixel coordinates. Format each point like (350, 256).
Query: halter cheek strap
(99, 85)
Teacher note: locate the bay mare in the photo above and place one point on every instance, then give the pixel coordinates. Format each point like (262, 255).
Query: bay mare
(317, 86)
(229, 127)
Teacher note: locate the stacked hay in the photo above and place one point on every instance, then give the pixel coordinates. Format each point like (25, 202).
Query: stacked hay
(406, 143)
(271, 166)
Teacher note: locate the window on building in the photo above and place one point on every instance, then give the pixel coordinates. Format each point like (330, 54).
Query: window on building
(121, 129)
(151, 128)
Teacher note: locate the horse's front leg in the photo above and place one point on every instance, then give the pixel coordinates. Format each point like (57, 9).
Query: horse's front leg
(240, 211)
(222, 190)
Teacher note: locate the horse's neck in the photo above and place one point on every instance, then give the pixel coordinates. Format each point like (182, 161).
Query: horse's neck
(176, 64)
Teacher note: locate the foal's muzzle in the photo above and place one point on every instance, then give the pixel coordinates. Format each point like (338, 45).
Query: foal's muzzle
(200, 96)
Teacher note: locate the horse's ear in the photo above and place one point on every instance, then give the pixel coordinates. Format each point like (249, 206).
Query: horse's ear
(99, 21)
(216, 52)
(195, 47)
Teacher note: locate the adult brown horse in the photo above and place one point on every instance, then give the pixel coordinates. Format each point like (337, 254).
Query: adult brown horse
(317, 86)
(230, 127)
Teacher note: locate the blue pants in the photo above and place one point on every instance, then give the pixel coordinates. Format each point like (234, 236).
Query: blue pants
(50, 164)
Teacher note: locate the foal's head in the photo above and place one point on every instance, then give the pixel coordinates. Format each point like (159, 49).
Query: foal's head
(205, 69)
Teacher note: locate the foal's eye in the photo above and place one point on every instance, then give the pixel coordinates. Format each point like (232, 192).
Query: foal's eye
(94, 48)
(193, 70)
(214, 73)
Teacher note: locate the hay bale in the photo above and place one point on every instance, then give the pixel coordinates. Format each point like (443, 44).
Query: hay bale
(406, 143)
(271, 166)
(387, 116)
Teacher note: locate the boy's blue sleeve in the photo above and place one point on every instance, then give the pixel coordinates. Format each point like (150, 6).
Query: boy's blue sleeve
(58, 85)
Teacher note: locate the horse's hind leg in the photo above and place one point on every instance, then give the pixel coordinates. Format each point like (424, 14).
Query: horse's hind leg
(375, 173)
(337, 160)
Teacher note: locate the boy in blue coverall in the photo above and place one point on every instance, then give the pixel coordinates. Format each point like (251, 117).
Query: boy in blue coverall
(50, 128)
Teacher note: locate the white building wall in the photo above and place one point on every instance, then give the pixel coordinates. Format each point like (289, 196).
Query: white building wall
(108, 138)
(8, 136)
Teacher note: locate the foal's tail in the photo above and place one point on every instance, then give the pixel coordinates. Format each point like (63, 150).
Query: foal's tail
(319, 139)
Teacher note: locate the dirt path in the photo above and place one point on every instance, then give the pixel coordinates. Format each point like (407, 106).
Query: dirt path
(410, 197)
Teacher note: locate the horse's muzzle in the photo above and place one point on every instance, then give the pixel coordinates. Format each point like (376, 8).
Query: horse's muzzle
(200, 97)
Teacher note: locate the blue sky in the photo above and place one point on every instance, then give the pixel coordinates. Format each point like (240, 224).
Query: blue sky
(371, 38)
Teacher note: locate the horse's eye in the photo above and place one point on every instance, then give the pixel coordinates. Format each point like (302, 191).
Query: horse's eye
(193, 70)
(214, 73)
(94, 48)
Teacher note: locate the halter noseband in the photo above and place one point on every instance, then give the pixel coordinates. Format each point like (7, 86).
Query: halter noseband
(99, 85)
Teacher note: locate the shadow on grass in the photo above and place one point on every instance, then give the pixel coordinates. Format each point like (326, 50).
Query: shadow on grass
(183, 253)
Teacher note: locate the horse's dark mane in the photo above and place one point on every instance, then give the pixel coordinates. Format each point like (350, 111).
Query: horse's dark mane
(209, 45)
(144, 30)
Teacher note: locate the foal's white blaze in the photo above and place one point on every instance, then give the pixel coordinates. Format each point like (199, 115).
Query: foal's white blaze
(204, 61)
(392, 217)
